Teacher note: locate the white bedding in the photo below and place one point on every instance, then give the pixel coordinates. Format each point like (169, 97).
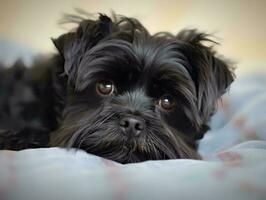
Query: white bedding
(42, 174)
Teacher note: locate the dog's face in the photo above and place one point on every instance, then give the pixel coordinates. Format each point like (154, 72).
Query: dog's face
(130, 96)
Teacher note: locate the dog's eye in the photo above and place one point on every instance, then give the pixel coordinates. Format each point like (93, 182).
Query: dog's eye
(105, 87)
(167, 102)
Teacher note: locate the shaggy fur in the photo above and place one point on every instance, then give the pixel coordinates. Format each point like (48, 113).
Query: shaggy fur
(55, 103)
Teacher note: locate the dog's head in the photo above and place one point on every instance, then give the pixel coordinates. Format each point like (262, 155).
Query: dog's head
(131, 96)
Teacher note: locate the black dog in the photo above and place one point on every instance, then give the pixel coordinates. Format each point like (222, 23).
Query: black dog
(116, 91)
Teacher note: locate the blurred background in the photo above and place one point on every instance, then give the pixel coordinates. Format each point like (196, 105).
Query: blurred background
(240, 25)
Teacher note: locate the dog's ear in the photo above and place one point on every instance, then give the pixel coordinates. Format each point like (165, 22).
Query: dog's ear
(73, 45)
(212, 75)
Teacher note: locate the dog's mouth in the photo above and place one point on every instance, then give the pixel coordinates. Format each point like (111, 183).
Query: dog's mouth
(114, 145)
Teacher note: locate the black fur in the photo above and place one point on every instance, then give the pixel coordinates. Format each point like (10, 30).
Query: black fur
(59, 103)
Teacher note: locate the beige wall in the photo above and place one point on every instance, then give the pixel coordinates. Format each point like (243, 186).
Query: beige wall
(240, 23)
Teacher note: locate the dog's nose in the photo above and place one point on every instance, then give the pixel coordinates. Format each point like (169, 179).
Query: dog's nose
(132, 125)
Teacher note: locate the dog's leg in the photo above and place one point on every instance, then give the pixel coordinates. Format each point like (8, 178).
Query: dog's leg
(24, 139)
